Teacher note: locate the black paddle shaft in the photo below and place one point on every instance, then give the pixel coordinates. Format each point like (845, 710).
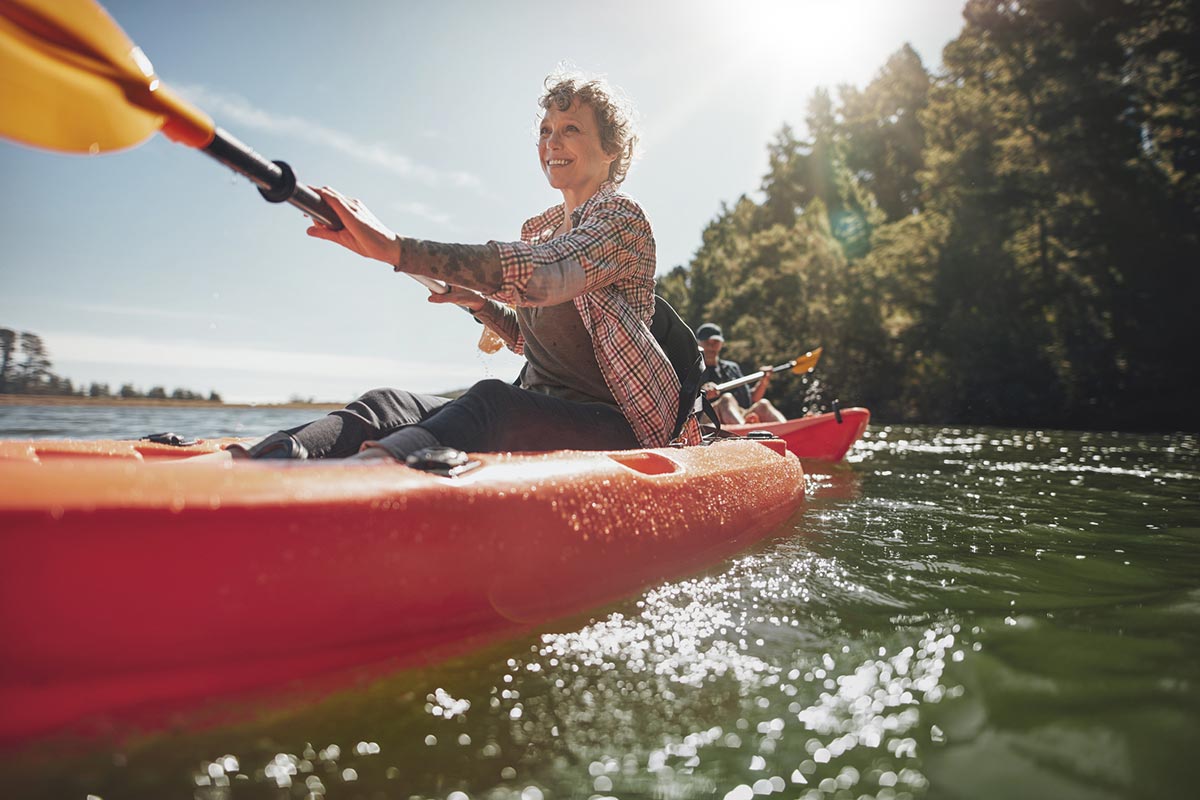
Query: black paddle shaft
(277, 183)
(275, 180)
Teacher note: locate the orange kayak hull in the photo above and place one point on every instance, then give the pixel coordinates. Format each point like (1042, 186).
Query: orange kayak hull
(132, 578)
(820, 437)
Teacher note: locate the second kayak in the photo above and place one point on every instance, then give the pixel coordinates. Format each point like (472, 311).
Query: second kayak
(820, 437)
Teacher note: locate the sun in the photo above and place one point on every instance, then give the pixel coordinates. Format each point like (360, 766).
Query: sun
(822, 39)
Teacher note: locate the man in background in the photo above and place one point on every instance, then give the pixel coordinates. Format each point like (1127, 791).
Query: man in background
(737, 405)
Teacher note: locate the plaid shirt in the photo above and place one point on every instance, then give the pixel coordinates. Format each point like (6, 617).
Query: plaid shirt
(611, 240)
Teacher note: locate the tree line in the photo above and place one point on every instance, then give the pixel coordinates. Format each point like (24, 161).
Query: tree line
(25, 368)
(1014, 240)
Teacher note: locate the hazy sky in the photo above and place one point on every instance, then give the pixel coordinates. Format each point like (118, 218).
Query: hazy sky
(159, 267)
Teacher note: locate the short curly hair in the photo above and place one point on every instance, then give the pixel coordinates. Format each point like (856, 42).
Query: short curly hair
(614, 115)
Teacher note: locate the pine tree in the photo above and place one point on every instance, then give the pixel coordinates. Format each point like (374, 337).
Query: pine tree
(8, 345)
(882, 135)
(33, 373)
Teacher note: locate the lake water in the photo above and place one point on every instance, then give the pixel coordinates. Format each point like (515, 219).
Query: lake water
(959, 613)
(132, 422)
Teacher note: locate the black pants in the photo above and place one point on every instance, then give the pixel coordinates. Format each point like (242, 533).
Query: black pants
(492, 416)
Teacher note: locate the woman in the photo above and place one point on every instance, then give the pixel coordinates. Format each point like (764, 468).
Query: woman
(575, 296)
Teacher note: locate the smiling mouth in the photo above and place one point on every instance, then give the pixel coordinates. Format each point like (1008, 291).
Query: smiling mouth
(557, 162)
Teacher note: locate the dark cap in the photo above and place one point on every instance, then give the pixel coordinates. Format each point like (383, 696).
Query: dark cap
(707, 331)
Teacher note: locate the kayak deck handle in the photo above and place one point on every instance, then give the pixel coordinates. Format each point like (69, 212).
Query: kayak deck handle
(646, 463)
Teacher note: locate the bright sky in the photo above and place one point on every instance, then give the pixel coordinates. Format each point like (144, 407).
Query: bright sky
(159, 267)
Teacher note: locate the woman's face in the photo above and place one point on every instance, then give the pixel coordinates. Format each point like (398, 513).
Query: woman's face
(570, 152)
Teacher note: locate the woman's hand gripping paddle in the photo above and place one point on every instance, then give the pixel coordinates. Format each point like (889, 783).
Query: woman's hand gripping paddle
(72, 81)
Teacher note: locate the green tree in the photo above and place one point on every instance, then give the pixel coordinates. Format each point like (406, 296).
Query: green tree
(802, 171)
(1161, 71)
(34, 375)
(1075, 261)
(713, 270)
(8, 345)
(1011, 241)
(883, 138)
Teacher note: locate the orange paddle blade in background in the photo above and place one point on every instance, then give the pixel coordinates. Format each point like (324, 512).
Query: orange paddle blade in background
(806, 362)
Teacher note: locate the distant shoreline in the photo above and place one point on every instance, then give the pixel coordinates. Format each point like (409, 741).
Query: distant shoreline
(67, 400)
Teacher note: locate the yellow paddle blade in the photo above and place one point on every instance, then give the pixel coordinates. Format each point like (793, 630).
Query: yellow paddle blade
(806, 362)
(72, 81)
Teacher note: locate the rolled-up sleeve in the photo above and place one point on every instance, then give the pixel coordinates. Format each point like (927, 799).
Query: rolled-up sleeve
(601, 249)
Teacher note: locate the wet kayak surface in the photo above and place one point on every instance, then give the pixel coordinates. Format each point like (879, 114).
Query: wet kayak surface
(957, 613)
(130, 552)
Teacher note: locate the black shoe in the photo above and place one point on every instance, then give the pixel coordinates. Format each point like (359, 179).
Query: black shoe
(277, 445)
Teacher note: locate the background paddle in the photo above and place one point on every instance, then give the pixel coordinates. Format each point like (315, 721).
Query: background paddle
(798, 366)
(72, 81)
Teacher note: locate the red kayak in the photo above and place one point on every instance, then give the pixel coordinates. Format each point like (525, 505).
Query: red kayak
(820, 437)
(132, 577)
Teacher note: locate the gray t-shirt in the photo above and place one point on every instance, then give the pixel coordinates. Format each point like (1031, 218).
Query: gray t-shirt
(561, 360)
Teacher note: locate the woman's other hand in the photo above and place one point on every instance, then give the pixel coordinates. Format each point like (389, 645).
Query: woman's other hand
(362, 233)
(470, 300)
